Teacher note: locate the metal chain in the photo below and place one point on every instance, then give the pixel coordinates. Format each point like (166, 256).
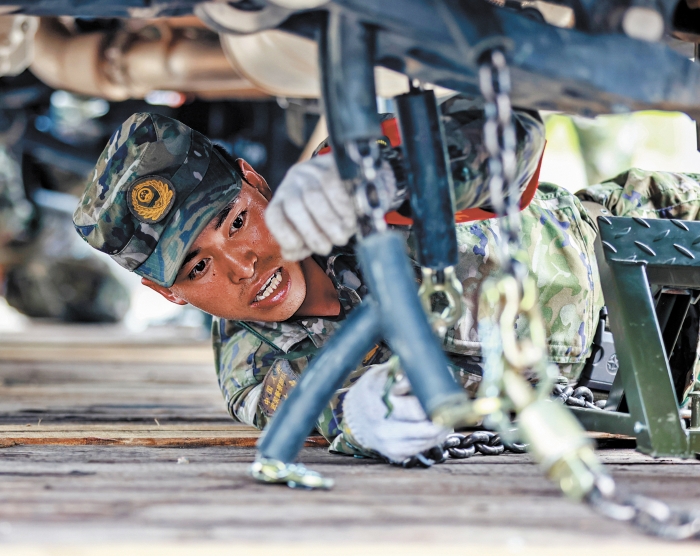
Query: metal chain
(500, 143)
(514, 293)
(579, 397)
(463, 446)
(653, 517)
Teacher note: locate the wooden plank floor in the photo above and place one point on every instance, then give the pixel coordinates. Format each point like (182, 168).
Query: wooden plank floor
(123, 449)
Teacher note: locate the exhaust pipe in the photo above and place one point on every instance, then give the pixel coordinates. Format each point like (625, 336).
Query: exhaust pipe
(177, 54)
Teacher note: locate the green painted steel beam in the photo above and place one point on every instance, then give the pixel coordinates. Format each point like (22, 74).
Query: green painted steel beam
(613, 422)
(633, 253)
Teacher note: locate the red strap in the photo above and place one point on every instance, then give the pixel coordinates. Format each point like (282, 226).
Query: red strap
(390, 128)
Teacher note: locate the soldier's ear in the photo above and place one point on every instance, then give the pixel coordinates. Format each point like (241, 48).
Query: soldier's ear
(162, 290)
(254, 179)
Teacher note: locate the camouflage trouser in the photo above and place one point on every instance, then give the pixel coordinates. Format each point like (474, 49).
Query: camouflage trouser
(558, 235)
(558, 239)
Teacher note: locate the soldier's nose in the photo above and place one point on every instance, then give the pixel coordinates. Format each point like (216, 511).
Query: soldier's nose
(241, 265)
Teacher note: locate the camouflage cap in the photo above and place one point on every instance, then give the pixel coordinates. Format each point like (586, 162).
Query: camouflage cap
(156, 186)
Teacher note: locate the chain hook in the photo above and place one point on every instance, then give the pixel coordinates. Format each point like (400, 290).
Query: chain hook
(441, 282)
(509, 300)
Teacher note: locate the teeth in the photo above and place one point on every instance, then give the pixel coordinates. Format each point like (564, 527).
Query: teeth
(270, 286)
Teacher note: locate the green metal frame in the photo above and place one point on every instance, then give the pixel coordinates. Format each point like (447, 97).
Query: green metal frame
(633, 254)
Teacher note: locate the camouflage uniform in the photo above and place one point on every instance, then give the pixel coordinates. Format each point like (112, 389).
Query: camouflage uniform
(158, 183)
(558, 236)
(648, 194)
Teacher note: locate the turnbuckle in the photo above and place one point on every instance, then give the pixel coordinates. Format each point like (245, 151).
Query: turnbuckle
(443, 282)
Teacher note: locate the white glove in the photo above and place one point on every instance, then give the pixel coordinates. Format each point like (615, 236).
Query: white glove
(405, 432)
(311, 211)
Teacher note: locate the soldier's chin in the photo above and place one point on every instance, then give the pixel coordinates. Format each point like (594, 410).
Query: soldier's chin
(294, 297)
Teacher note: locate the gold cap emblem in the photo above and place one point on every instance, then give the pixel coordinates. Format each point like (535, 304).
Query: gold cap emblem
(150, 198)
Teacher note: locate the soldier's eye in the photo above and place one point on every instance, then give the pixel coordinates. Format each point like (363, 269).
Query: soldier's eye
(238, 222)
(197, 269)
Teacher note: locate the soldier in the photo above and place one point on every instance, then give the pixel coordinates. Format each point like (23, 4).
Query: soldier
(167, 204)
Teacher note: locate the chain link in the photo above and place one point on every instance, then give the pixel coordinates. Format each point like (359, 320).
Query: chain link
(372, 200)
(463, 446)
(500, 143)
(653, 517)
(579, 397)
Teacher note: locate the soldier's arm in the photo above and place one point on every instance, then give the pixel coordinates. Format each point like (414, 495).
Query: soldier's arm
(242, 362)
(311, 210)
(254, 380)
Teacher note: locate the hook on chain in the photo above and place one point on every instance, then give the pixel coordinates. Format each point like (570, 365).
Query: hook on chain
(508, 300)
(443, 282)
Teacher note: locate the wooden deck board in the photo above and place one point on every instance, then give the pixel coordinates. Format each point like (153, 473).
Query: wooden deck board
(99, 475)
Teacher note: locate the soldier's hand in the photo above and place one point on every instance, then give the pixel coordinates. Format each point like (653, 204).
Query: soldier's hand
(311, 211)
(394, 425)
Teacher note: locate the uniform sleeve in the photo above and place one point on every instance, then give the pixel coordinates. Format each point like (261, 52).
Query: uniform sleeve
(242, 362)
(254, 379)
(463, 121)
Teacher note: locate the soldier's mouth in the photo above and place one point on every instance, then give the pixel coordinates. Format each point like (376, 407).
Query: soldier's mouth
(273, 290)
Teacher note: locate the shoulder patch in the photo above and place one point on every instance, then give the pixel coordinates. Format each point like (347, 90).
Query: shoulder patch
(150, 198)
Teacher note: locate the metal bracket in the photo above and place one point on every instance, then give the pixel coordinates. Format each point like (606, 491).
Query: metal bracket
(634, 254)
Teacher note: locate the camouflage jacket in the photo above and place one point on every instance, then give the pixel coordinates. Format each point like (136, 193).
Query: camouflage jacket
(558, 236)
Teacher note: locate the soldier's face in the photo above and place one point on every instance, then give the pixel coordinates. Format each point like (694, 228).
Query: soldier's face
(235, 269)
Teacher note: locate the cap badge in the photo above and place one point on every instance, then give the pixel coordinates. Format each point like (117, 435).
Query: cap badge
(150, 198)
